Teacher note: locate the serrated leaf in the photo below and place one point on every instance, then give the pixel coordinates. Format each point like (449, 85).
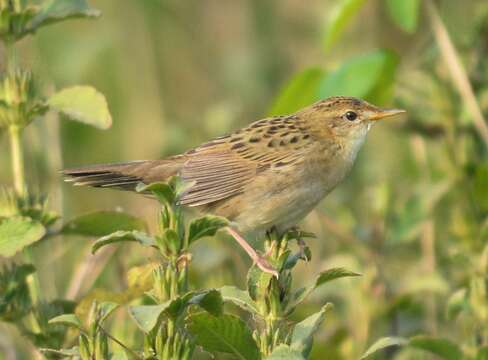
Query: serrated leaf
(161, 190)
(226, 333)
(209, 300)
(84, 104)
(285, 352)
(369, 76)
(444, 348)
(66, 319)
(299, 92)
(205, 226)
(102, 223)
(18, 232)
(404, 13)
(59, 10)
(384, 343)
(340, 16)
(239, 297)
(303, 332)
(331, 274)
(121, 236)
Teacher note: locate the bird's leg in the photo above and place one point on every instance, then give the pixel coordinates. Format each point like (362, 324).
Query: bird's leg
(260, 261)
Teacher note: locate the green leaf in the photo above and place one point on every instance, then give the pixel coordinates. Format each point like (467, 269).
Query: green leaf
(299, 92)
(332, 274)
(15, 300)
(67, 319)
(303, 332)
(105, 309)
(210, 301)
(369, 76)
(324, 277)
(83, 104)
(180, 186)
(404, 13)
(285, 352)
(441, 347)
(103, 223)
(226, 333)
(257, 282)
(339, 18)
(205, 226)
(239, 297)
(384, 343)
(169, 239)
(163, 191)
(120, 236)
(58, 10)
(148, 316)
(18, 232)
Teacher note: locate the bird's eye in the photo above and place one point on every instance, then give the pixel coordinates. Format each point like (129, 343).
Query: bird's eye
(351, 115)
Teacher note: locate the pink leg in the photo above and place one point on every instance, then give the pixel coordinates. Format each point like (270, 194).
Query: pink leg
(258, 259)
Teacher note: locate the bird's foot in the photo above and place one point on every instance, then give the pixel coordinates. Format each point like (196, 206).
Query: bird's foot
(259, 260)
(265, 266)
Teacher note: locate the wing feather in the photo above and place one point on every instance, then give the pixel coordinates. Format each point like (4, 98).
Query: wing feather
(224, 167)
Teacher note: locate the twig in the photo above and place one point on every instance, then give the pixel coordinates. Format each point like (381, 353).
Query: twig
(457, 71)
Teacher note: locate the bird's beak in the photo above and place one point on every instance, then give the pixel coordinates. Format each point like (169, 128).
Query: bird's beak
(384, 113)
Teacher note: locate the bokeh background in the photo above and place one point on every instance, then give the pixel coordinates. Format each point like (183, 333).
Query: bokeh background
(412, 215)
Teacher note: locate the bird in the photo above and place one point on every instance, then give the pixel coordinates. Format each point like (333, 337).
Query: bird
(267, 175)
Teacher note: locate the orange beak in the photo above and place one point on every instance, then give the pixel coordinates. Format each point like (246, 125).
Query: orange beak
(384, 113)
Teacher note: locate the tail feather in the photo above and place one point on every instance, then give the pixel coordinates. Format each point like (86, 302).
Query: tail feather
(124, 176)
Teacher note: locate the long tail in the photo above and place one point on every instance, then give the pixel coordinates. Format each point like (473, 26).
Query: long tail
(124, 176)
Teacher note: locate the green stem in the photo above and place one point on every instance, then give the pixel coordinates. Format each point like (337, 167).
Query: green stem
(17, 161)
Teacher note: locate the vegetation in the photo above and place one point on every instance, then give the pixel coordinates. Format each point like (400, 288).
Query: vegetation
(398, 265)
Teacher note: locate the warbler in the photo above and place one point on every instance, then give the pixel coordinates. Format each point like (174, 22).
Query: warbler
(268, 175)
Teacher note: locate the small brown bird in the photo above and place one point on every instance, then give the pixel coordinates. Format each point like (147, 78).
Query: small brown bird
(267, 175)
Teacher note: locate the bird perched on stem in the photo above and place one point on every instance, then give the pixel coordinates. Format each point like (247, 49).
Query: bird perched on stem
(268, 175)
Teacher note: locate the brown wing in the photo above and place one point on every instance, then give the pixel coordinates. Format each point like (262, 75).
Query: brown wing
(223, 167)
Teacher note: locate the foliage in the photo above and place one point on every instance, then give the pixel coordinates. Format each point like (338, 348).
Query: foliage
(411, 217)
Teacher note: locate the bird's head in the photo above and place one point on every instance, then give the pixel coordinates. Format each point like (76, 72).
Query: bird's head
(346, 118)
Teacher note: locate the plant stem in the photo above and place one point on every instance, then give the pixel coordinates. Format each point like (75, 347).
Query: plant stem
(457, 71)
(17, 160)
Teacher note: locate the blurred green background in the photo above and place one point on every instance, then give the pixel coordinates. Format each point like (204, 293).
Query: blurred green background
(412, 215)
